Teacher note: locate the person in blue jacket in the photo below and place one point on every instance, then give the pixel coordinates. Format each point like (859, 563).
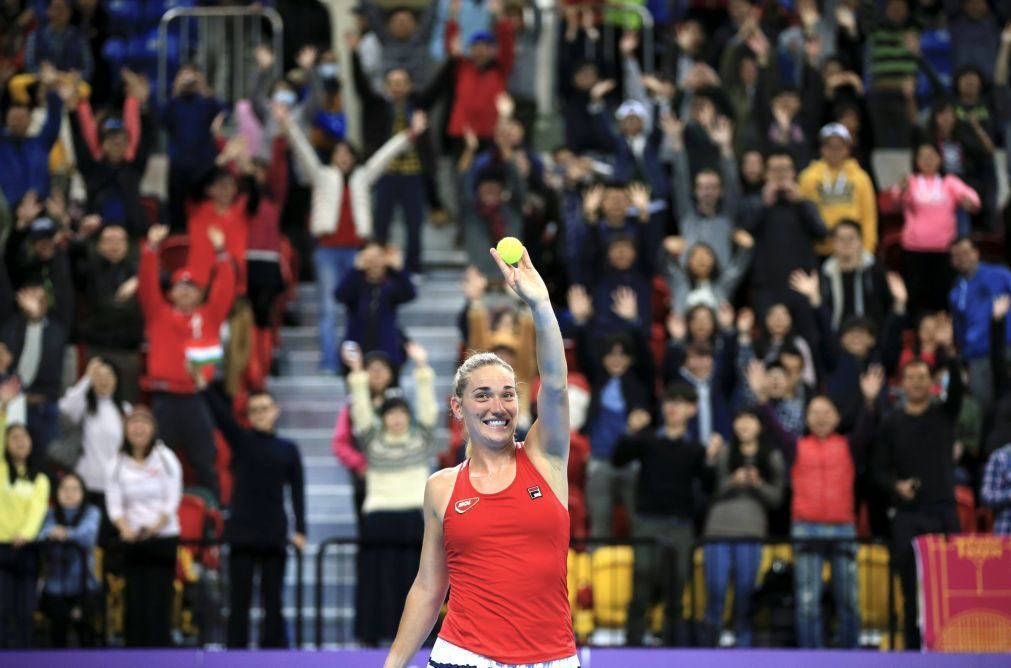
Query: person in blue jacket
(71, 532)
(25, 159)
(971, 299)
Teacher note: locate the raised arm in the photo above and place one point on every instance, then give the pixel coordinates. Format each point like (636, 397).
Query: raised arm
(549, 435)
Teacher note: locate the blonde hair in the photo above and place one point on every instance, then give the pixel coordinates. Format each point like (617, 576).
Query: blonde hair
(469, 366)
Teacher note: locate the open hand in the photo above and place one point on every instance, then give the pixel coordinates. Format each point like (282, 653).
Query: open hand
(580, 305)
(676, 326)
(1001, 306)
(806, 284)
(9, 389)
(625, 304)
(523, 279)
(416, 353)
(474, 284)
(871, 382)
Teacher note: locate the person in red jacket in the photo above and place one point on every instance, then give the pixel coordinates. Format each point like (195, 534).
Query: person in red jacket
(181, 329)
(823, 468)
(480, 77)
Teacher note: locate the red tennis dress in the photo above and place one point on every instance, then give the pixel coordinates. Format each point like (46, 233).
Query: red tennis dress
(506, 555)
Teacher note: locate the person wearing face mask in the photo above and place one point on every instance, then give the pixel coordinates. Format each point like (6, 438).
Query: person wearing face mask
(263, 465)
(823, 467)
(397, 449)
(76, 522)
(142, 498)
(24, 497)
(341, 218)
(913, 462)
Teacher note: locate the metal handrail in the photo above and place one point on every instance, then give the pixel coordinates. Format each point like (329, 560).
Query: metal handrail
(204, 13)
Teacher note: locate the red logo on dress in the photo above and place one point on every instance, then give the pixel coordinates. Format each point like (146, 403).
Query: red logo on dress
(463, 505)
(534, 492)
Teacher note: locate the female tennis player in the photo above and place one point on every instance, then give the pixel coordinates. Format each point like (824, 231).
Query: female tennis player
(497, 525)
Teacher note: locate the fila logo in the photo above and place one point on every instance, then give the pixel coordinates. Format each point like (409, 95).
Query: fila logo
(463, 505)
(534, 492)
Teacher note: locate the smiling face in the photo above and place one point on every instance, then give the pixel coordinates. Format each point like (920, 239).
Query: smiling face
(701, 262)
(396, 421)
(263, 412)
(19, 443)
(616, 361)
(104, 381)
(778, 321)
(487, 405)
(621, 255)
(917, 382)
(71, 492)
(747, 428)
(822, 417)
(928, 160)
(139, 434)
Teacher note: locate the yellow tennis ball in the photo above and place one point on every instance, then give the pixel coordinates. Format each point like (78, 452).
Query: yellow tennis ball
(510, 249)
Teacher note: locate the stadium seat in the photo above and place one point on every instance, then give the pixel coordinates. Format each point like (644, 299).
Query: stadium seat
(611, 568)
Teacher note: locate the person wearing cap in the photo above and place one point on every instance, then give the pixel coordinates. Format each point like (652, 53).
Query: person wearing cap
(480, 77)
(112, 175)
(397, 449)
(179, 329)
(36, 328)
(840, 187)
(142, 496)
(35, 254)
(263, 465)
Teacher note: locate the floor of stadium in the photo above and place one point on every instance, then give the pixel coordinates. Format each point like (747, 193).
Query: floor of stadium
(589, 658)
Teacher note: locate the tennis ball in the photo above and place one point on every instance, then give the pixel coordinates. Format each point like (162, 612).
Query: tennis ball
(510, 250)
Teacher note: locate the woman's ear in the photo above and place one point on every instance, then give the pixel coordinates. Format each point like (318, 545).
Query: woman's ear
(456, 408)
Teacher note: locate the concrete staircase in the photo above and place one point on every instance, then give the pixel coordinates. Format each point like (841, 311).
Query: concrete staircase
(310, 403)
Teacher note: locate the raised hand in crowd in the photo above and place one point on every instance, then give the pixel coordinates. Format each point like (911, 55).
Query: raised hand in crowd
(593, 197)
(676, 327)
(394, 258)
(871, 382)
(306, 58)
(638, 194)
(674, 245)
(28, 210)
(580, 305)
(473, 283)
(625, 304)
(808, 285)
(628, 43)
(713, 447)
(757, 380)
(1001, 306)
(725, 315)
(32, 304)
(264, 57)
(416, 353)
(504, 105)
(721, 132)
(601, 88)
(743, 238)
(156, 234)
(216, 237)
(10, 387)
(897, 288)
(638, 419)
(674, 130)
(745, 324)
(351, 355)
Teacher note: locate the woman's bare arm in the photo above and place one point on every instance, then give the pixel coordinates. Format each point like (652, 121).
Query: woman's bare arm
(424, 600)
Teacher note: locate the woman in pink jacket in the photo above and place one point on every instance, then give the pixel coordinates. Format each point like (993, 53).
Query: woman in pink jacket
(930, 202)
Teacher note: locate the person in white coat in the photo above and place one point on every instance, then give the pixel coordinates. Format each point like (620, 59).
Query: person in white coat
(95, 406)
(341, 214)
(142, 496)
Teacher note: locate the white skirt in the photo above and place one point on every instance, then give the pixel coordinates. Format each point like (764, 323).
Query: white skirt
(448, 654)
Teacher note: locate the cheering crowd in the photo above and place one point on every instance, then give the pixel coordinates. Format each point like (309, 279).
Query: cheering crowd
(765, 341)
